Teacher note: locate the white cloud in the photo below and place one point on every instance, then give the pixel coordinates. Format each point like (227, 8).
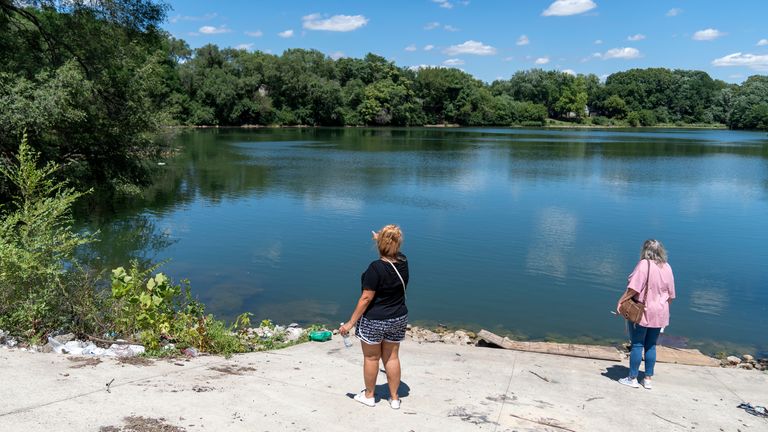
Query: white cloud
(470, 47)
(542, 60)
(337, 23)
(620, 53)
(752, 61)
(336, 55)
(510, 58)
(422, 66)
(762, 42)
(444, 4)
(245, 46)
(411, 48)
(450, 28)
(635, 38)
(674, 12)
(522, 40)
(708, 34)
(569, 7)
(256, 33)
(205, 17)
(431, 26)
(598, 42)
(286, 34)
(453, 62)
(213, 30)
(569, 71)
(428, 47)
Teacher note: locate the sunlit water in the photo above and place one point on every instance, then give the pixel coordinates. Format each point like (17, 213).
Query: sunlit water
(531, 232)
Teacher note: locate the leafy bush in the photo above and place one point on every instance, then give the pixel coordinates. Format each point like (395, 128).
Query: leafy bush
(157, 311)
(39, 276)
(143, 308)
(647, 118)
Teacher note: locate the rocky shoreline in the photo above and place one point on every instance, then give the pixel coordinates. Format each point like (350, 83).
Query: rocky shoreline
(269, 337)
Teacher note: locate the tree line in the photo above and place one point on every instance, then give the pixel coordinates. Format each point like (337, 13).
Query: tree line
(92, 80)
(231, 87)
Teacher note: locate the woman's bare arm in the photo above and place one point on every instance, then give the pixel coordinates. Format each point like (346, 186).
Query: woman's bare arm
(365, 299)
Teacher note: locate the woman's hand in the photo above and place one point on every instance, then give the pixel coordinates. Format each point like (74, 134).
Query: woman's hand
(345, 328)
(618, 307)
(375, 235)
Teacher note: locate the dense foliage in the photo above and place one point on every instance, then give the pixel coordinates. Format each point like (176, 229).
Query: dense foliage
(230, 87)
(81, 78)
(41, 283)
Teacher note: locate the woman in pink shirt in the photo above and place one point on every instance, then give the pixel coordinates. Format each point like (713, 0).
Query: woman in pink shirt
(654, 268)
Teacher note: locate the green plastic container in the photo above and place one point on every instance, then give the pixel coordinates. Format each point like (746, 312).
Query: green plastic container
(320, 336)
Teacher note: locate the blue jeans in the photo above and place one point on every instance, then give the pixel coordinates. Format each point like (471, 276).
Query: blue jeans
(643, 340)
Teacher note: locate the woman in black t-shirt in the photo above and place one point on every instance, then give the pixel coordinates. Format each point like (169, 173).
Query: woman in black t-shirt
(381, 315)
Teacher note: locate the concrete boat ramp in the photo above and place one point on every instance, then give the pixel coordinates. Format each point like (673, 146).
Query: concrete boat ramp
(306, 388)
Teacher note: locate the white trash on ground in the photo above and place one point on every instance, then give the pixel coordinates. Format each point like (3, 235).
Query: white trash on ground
(124, 350)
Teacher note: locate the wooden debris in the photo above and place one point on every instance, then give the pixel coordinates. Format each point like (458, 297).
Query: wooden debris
(573, 350)
(691, 357)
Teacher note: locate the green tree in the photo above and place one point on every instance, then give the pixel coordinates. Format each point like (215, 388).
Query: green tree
(615, 107)
(39, 281)
(573, 99)
(94, 63)
(749, 104)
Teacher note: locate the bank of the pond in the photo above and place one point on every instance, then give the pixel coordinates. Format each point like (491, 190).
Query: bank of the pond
(269, 336)
(550, 124)
(308, 387)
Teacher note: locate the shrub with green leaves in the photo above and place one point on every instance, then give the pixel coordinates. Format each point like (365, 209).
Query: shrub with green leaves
(143, 308)
(156, 310)
(38, 269)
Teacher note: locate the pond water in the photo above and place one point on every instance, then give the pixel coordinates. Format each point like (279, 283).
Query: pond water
(525, 232)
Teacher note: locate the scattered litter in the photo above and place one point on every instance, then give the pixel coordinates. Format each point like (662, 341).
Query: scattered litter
(756, 410)
(109, 384)
(320, 336)
(293, 333)
(190, 352)
(125, 350)
(543, 378)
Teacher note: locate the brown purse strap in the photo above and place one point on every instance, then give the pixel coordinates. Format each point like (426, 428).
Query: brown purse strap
(647, 276)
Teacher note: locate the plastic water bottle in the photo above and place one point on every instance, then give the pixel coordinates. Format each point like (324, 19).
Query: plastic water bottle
(347, 339)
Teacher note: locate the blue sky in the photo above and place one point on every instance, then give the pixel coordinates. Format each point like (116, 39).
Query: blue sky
(494, 38)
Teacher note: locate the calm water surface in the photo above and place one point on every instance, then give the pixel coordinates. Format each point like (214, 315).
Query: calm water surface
(531, 232)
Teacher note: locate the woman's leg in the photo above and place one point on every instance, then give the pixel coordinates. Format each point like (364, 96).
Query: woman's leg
(637, 335)
(390, 356)
(649, 344)
(371, 357)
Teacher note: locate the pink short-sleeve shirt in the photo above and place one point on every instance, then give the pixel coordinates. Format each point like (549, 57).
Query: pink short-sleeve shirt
(661, 287)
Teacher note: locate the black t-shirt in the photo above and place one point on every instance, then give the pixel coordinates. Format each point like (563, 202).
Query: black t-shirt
(389, 300)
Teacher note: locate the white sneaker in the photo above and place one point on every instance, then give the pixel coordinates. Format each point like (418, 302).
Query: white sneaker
(647, 384)
(632, 382)
(360, 397)
(394, 403)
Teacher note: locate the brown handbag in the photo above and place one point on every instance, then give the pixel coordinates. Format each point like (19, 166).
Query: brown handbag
(630, 308)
